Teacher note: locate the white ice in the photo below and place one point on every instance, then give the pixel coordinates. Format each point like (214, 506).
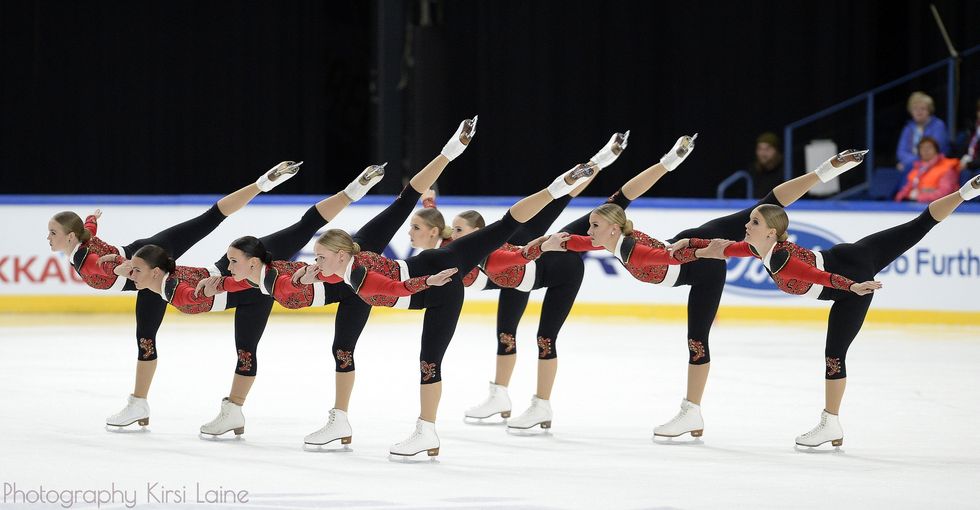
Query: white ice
(909, 416)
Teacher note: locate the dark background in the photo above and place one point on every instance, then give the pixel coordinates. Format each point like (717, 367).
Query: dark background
(200, 97)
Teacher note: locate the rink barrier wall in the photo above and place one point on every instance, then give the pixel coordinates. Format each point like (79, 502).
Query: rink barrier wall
(592, 311)
(933, 282)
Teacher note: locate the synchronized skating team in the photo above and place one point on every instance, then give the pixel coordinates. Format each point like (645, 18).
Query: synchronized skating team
(514, 254)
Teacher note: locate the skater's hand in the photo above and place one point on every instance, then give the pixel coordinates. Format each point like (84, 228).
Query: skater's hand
(298, 275)
(306, 275)
(680, 244)
(208, 286)
(441, 278)
(97, 214)
(534, 243)
(715, 249)
(864, 288)
(556, 242)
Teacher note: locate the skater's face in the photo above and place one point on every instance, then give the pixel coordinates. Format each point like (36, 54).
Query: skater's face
(58, 239)
(602, 231)
(757, 231)
(461, 227)
(240, 265)
(422, 235)
(330, 262)
(143, 275)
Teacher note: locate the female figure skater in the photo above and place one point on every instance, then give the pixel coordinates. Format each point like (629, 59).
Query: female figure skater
(610, 229)
(78, 241)
(843, 274)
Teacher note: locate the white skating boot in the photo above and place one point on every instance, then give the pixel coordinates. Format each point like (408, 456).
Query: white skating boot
(136, 410)
(277, 175)
(337, 428)
(971, 189)
(608, 154)
(424, 439)
(464, 134)
(229, 419)
(562, 187)
(842, 162)
(828, 429)
(682, 148)
(687, 420)
(498, 402)
(359, 187)
(538, 414)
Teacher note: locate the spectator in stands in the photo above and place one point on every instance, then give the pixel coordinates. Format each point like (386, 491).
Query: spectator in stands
(923, 123)
(767, 169)
(971, 159)
(933, 175)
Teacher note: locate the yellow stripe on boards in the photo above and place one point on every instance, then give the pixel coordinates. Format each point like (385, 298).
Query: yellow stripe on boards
(126, 303)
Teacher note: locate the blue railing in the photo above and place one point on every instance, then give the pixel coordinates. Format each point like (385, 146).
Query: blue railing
(869, 99)
(732, 179)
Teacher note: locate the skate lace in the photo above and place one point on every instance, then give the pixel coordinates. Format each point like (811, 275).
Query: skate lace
(333, 416)
(680, 416)
(818, 428)
(221, 415)
(530, 410)
(415, 435)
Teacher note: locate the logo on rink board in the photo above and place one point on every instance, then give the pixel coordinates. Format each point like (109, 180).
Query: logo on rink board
(747, 276)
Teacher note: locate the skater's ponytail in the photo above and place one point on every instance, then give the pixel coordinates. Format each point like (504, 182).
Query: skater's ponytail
(617, 216)
(472, 218)
(432, 218)
(337, 240)
(252, 247)
(776, 218)
(72, 223)
(156, 257)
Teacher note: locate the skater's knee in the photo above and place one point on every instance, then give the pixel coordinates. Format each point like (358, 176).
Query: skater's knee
(147, 349)
(506, 344)
(698, 353)
(247, 363)
(431, 372)
(547, 348)
(835, 367)
(344, 360)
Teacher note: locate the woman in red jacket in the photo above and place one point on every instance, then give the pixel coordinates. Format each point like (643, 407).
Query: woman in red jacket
(843, 274)
(933, 176)
(77, 240)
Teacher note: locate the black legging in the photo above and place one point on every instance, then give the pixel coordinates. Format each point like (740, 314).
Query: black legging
(860, 262)
(561, 273)
(177, 239)
(252, 308)
(707, 278)
(352, 311)
(443, 304)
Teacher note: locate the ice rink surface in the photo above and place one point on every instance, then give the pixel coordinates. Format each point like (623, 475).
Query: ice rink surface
(910, 417)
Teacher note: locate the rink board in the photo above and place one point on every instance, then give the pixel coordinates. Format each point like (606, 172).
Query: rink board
(932, 282)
